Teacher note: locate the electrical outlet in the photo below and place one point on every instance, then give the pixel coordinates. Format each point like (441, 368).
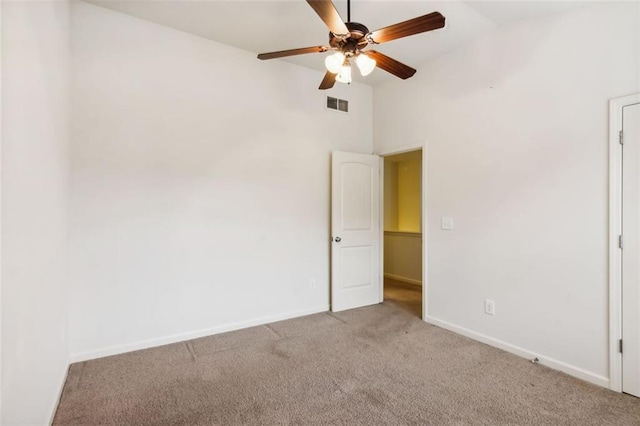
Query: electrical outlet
(312, 283)
(489, 307)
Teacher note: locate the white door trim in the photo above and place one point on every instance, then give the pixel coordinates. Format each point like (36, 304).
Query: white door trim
(394, 151)
(615, 229)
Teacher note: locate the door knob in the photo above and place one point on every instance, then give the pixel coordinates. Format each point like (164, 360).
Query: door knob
(337, 239)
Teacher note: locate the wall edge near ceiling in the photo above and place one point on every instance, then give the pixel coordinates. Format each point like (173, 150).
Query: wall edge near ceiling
(572, 370)
(181, 337)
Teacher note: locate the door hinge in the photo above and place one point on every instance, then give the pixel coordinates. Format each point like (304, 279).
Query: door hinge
(621, 136)
(620, 241)
(620, 345)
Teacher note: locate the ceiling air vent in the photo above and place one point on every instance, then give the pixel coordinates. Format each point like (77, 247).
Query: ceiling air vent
(337, 104)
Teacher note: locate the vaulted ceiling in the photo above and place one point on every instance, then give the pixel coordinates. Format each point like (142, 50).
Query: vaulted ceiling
(265, 25)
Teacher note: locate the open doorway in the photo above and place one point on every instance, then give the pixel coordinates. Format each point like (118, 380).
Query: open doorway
(402, 238)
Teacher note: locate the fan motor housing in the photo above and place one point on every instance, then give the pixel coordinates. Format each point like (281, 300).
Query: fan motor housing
(354, 42)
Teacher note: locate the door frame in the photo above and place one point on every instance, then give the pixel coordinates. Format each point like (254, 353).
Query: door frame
(386, 153)
(615, 230)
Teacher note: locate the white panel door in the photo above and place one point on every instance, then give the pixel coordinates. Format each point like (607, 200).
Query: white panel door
(355, 229)
(631, 250)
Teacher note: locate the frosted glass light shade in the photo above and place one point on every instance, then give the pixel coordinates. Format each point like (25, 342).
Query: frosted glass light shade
(344, 76)
(334, 62)
(365, 64)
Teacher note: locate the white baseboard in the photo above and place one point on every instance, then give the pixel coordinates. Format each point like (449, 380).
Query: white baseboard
(151, 343)
(59, 397)
(546, 361)
(403, 279)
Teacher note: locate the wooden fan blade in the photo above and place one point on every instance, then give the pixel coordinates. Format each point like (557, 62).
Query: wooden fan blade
(418, 25)
(328, 81)
(390, 65)
(330, 16)
(292, 52)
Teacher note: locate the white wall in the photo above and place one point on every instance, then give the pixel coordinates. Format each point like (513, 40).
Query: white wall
(35, 134)
(516, 125)
(200, 184)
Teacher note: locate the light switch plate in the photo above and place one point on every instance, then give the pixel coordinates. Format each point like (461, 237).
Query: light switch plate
(447, 223)
(489, 307)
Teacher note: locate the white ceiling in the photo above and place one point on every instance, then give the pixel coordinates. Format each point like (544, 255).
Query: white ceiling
(264, 25)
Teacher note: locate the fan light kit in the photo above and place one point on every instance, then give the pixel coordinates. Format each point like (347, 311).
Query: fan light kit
(339, 64)
(348, 39)
(344, 75)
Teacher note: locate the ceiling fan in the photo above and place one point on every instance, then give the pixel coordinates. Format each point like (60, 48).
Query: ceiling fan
(348, 39)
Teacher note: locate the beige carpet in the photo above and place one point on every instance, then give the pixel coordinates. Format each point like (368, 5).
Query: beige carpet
(374, 365)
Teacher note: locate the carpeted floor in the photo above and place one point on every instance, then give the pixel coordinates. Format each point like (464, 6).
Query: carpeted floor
(374, 365)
